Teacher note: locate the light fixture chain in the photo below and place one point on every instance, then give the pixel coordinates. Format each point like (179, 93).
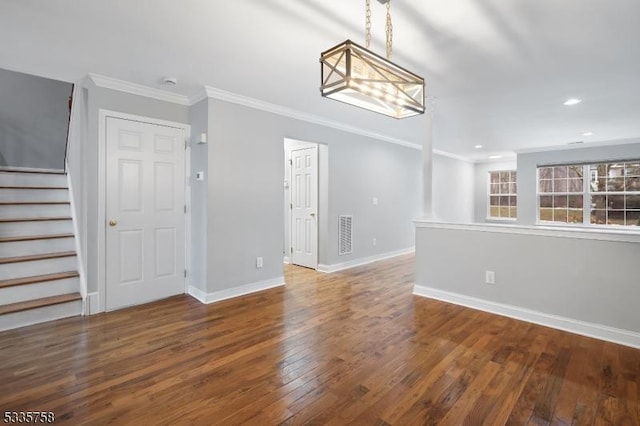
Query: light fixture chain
(389, 31)
(367, 23)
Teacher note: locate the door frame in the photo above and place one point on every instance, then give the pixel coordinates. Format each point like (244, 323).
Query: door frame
(289, 145)
(103, 115)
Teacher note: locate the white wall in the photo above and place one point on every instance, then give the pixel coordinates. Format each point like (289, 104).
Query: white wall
(34, 116)
(581, 281)
(75, 169)
(481, 177)
(452, 192)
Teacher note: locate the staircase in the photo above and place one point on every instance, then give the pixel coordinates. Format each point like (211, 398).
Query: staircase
(39, 279)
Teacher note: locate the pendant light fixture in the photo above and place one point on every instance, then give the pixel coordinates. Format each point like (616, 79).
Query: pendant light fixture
(355, 75)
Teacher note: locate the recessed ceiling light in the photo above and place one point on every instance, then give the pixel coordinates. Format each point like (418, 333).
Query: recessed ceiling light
(587, 134)
(572, 101)
(478, 146)
(494, 157)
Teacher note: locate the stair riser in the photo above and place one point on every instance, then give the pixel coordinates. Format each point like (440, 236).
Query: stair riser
(16, 229)
(27, 248)
(22, 293)
(35, 211)
(17, 195)
(32, 179)
(38, 315)
(38, 267)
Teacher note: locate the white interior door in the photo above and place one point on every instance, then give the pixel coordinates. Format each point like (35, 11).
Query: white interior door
(304, 207)
(145, 240)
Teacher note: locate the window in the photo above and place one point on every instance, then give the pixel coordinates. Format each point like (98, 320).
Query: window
(615, 193)
(609, 196)
(561, 194)
(502, 194)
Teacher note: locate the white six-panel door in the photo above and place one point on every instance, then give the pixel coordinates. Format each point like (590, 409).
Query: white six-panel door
(145, 240)
(304, 207)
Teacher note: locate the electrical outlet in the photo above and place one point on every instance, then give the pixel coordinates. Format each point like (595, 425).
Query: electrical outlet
(374, 241)
(490, 277)
(259, 262)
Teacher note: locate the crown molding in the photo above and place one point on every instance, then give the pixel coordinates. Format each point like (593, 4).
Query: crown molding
(137, 89)
(223, 95)
(213, 93)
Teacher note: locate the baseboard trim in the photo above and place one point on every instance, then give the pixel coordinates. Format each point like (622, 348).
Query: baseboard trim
(327, 269)
(198, 294)
(286, 260)
(91, 304)
(597, 331)
(31, 170)
(242, 290)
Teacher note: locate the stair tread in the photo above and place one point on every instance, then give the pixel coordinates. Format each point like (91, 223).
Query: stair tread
(34, 219)
(43, 256)
(31, 187)
(39, 303)
(38, 172)
(38, 279)
(34, 237)
(30, 203)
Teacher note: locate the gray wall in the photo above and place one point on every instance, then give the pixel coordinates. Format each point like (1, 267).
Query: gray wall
(34, 116)
(452, 190)
(481, 176)
(237, 212)
(245, 212)
(584, 279)
(100, 98)
(199, 117)
(528, 163)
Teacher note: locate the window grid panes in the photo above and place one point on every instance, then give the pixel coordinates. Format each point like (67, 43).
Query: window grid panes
(560, 190)
(611, 195)
(615, 193)
(502, 194)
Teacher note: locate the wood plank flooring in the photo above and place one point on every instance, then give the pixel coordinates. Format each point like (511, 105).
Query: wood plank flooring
(350, 348)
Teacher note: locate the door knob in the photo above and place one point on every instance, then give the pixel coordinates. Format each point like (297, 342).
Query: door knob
(113, 222)
(312, 214)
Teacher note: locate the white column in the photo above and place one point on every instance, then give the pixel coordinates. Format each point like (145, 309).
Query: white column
(427, 167)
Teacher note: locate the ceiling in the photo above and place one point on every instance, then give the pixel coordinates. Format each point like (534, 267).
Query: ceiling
(497, 71)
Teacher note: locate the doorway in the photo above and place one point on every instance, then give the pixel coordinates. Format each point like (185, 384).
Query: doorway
(145, 211)
(303, 213)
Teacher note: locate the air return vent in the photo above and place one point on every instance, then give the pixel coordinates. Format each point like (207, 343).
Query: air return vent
(346, 238)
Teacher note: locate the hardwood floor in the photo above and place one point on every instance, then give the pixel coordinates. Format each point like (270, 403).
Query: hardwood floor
(350, 348)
